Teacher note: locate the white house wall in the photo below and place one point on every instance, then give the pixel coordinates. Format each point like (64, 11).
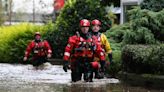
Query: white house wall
(26, 6)
(125, 3)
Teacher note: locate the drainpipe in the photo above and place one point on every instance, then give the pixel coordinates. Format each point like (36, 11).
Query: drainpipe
(122, 13)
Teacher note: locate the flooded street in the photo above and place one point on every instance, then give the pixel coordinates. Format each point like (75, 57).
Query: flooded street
(52, 78)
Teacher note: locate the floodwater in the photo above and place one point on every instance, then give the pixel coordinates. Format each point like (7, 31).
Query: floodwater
(51, 78)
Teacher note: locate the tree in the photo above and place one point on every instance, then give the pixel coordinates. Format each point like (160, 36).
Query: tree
(144, 27)
(153, 5)
(67, 23)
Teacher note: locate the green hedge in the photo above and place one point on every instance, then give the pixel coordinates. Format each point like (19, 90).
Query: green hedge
(115, 66)
(14, 40)
(143, 59)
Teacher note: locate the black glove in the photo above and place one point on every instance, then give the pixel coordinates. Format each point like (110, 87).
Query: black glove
(65, 65)
(110, 57)
(102, 63)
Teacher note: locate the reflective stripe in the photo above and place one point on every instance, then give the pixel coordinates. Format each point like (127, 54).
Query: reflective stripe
(26, 53)
(81, 39)
(102, 54)
(103, 50)
(67, 54)
(49, 51)
(99, 39)
(68, 45)
(79, 43)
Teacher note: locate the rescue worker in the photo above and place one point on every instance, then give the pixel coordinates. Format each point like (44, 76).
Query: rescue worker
(80, 51)
(103, 41)
(40, 49)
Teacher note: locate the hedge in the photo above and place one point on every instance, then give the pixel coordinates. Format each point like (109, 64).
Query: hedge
(143, 59)
(14, 40)
(115, 66)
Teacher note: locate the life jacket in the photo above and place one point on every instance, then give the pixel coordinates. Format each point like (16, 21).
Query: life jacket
(84, 47)
(98, 39)
(39, 48)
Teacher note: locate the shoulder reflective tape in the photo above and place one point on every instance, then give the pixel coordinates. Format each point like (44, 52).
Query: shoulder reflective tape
(67, 54)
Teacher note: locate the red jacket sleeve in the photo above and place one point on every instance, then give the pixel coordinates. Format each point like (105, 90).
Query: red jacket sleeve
(29, 48)
(48, 47)
(69, 47)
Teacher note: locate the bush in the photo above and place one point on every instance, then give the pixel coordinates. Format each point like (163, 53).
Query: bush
(67, 23)
(153, 5)
(143, 59)
(117, 32)
(14, 40)
(115, 66)
(146, 27)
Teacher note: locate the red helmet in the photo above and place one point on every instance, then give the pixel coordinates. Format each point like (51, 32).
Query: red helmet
(96, 22)
(84, 22)
(37, 33)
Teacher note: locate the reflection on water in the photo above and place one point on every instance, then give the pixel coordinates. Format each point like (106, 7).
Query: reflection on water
(51, 78)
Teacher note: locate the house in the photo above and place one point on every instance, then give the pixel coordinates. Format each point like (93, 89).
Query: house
(35, 11)
(125, 6)
(38, 11)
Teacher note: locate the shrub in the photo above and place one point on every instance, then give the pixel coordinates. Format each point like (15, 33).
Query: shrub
(14, 40)
(146, 27)
(117, 32)
(143, 58)
(115, 66)
(153, 5)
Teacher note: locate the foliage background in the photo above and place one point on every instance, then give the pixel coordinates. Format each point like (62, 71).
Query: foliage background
(153, 5)
(14, 40)
(143, 59)
(67, 23)
(144, 28)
